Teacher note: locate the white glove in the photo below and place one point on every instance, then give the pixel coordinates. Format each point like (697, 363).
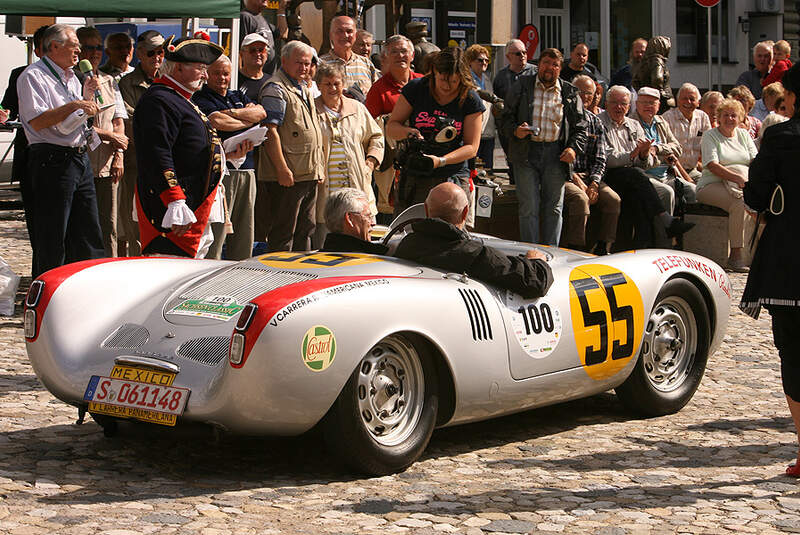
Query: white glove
(178, 214)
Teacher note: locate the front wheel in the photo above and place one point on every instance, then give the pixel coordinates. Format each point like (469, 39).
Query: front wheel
(673, 355)
(383, 418)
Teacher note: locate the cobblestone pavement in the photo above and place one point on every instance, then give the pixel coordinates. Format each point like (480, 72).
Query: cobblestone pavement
(580, 467)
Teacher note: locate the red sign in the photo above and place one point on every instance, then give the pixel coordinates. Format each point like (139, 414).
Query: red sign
(530, 36)
(707, 3)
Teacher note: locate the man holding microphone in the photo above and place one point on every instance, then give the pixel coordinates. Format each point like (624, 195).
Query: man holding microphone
(53, 110)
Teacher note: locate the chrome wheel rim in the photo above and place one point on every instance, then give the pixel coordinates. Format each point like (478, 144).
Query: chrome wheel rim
(670, 344)
(390, 391)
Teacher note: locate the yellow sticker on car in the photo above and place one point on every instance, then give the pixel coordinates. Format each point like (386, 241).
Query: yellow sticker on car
(607, 318)
(290, 260)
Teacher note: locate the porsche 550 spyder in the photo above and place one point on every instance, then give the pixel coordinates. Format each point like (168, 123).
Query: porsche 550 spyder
(376, 350)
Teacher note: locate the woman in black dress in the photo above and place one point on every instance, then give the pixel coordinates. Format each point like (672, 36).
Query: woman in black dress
(773, 280)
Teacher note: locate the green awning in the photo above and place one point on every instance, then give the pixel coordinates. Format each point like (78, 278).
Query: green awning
(123, 8)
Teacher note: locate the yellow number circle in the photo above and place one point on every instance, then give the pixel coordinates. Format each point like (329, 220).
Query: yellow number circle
(289, 260)
(607, 318)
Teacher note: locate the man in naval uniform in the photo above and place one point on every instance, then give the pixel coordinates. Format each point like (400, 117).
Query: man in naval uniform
(179, 155)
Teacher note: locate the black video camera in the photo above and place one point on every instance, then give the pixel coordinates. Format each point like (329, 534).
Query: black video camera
(410, 156)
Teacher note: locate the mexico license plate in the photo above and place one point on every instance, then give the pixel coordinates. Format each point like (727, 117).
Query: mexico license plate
(138, 393)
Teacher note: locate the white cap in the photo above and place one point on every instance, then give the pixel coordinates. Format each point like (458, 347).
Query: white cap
(251, 38)
(649, 92)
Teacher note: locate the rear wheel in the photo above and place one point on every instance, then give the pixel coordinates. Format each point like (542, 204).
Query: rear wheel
(383, 418)
(674, 352)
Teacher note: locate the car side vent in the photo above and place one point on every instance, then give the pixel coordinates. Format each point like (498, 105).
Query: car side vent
(208, 350)
(478, 317)
(127, 336)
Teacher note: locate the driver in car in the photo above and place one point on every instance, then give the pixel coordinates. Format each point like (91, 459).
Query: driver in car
(440, 241)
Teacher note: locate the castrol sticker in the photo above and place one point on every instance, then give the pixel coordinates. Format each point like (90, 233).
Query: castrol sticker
(318, 348)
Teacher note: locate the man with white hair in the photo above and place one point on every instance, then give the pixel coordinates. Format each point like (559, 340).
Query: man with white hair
(348, 219)
(291, 158)
(231, 112)
(53, 109)
(441, 241)
(688, 123)
(628, 155)
(359, 70)
(179, 155)
(762, 59)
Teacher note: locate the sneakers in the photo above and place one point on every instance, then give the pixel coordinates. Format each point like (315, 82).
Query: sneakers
(678, 227)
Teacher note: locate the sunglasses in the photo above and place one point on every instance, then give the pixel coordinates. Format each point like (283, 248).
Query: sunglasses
(520, 53)
(484, 61)
(157, 51)
(96, 48)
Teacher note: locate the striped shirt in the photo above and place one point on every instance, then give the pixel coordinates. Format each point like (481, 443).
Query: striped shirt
(338, 176)
(548, 111)
(688, 133)
(358, 70)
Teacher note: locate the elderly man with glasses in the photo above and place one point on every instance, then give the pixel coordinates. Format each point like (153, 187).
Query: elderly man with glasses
(517, 58)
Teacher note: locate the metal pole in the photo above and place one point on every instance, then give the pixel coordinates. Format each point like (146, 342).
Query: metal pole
(719, 47)
(708, 33)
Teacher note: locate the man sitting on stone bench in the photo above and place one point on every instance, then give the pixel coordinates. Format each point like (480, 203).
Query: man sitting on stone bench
(440, 241)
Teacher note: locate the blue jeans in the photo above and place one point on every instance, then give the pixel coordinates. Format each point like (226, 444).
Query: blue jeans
(540, 189)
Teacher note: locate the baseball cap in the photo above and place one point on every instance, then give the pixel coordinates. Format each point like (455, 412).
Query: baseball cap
(251, 38)
(649, 92)
(149, 40)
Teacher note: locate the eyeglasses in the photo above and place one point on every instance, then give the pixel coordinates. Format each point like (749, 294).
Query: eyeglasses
(483, 60)
(96, 48)
(520, 53)
(586, 93)
(367, 216)
(156, 52)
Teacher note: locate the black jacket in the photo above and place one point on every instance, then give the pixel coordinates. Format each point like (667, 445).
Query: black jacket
(344, 243)
(439, 244)
(519, 109)
(773, 273)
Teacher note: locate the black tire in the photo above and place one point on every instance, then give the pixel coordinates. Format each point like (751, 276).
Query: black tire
(385, 415)
(673, 355)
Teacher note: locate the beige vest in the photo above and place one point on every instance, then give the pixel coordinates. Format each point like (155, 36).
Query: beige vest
(300, 134)
(101, 156)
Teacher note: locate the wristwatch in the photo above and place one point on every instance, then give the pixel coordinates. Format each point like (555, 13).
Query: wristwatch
(442, 161)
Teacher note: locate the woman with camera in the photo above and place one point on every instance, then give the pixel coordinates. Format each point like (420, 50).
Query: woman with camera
(444, 113)
(773, 187)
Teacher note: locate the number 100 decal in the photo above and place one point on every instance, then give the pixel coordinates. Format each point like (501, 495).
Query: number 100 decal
(607, 318)
(537, 324)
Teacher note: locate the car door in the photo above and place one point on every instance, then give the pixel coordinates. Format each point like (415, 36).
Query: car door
(592, 316)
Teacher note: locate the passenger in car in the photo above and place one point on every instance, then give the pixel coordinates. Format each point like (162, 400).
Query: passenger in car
(349, 220)
(440, 241)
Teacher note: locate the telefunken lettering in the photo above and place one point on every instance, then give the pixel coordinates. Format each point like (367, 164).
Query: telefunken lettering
(666, 263)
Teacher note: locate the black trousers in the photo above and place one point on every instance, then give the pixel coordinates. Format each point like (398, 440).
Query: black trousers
(785, 326)
(65, 222)
(291, 218)
(640, 202)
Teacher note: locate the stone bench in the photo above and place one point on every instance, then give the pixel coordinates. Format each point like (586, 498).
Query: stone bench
(709, 237)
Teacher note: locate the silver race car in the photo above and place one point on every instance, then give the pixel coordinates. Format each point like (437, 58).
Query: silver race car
(376, 350)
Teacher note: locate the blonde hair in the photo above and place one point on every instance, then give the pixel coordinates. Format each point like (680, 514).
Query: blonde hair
(731, 104)
(783, 47)
(773, 90)
(742, 93)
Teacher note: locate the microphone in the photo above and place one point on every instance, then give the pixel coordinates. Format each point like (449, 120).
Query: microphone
(85, 67)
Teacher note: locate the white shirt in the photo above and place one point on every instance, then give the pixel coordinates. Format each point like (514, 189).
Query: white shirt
(39, 91)
(688, 133)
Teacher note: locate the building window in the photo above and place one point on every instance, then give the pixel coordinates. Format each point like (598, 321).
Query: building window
(630, 19)
(692, 23)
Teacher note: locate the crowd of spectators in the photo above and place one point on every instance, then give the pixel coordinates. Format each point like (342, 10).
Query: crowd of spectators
(336, 122)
